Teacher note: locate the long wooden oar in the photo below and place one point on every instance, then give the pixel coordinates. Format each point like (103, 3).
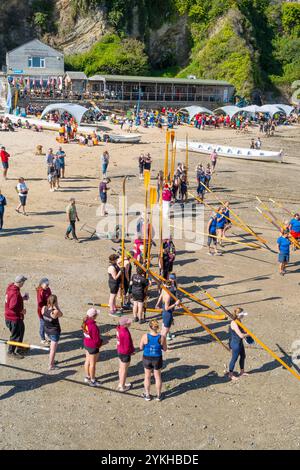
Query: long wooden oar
(23, 345)
(231, 240)
(146, 186)
(247, 227)
(187, 156)
(257, 340)
(217, 211)
(188, 294)
(187, 311)
(166, 163)
(123, 240)
(277, 223)
(278, 204)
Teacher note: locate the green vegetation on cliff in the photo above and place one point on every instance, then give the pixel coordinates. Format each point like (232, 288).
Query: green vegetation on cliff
(111, 55)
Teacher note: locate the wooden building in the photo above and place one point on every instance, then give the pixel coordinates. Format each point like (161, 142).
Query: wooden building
(176, 91)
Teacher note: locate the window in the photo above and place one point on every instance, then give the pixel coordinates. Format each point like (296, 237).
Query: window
(36, 62)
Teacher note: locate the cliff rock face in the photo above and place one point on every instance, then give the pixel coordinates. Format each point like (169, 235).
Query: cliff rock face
(76, 34)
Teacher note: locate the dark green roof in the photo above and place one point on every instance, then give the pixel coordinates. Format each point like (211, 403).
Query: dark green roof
(183, 81)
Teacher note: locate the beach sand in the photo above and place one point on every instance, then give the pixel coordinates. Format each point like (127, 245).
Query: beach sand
(202, 409)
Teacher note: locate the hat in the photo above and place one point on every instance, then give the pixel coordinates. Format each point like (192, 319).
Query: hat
(242, 314)
(92, 312)
(44, 280)
(20, 278)
(125, 321)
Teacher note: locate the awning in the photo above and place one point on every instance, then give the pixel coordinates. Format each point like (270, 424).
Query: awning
(193, 110)
(75, 110)
(228, 110)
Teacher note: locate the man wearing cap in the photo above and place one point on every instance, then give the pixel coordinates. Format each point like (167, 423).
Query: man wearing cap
(72, 218)
(14, 314)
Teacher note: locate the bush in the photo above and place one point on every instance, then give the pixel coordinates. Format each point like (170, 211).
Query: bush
(111, 55)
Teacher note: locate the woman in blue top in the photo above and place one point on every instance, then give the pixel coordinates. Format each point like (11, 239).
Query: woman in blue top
(221, 224)
(212, 230)
(153, 344)
(2, 208)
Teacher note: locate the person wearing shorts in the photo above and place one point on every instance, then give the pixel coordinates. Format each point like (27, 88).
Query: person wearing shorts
(125, 349)
(221, 223)
(284, 244)
(168, 306)
(92, 342)
(51, 314)
(153, 344)
(212, 230)
(22, 190)
(139, 285)
(114, 281)
(4, 159)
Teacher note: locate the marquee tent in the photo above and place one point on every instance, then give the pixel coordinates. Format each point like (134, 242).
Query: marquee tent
(230, 110)
(75, 110)
(193, 110)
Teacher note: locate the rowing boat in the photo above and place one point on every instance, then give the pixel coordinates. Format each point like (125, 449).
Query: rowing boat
(47, 125)
(233, 152)
(127, 139)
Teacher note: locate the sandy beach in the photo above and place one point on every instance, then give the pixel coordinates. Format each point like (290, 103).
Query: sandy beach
(201, 409)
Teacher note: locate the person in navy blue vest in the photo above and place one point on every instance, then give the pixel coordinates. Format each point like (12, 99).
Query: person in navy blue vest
(2, 208)
(236, 336)
(212, 234)
(153, 344)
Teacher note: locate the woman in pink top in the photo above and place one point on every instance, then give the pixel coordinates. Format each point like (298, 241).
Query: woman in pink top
(92, 342)
(213, 159)
(166, 200)
(125, 350)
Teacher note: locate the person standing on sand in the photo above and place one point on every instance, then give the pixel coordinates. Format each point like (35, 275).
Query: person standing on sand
(51, 314)
(2, 208)
(236, 336)
(284, 244)
(105, 162)
(22, 191)
(72, 218)
(114, 282)
(168, 309)
(139, 285)
(4, 159)
(14, 314)
(103, 188)
(125, 349)
(212, 230)
(61, 156)
(213, 159)
(43, 292)
(153, 344)
(92, 342)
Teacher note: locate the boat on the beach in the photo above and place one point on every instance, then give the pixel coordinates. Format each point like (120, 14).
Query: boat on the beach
(125, 138)
(47, 125)
(240, 153)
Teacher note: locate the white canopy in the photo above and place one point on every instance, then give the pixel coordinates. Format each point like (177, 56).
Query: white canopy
(193, 110)
(75, 110)
(286, 108)
(271, 109)
(251, 109)
(230, 110)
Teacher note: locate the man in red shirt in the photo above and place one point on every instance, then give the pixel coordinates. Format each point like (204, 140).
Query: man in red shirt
(14, 314)
(4, 159)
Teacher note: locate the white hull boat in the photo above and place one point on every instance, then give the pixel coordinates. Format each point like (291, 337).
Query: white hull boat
(126, 139)
(47, 125)
(239, 153)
